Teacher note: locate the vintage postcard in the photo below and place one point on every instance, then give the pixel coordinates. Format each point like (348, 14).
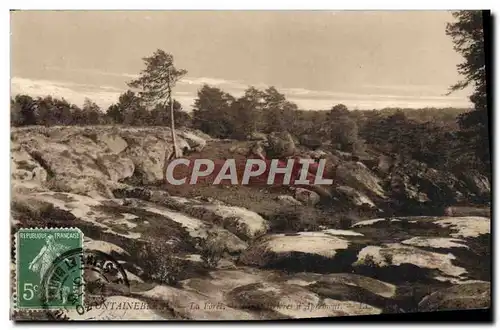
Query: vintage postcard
(249, 165)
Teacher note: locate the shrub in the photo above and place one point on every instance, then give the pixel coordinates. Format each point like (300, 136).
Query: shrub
(388, 259)
(347, 220)
(369, 261)
(212, 250)
(158, 261)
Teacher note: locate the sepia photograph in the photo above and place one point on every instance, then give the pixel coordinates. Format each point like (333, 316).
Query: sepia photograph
(250, 165)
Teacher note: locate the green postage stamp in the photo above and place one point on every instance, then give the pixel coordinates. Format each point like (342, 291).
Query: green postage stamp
(47, 276)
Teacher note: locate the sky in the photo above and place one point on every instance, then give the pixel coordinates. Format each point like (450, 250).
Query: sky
(363, 59)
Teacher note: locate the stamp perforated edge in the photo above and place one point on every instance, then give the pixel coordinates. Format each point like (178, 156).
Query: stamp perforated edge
(14, 307)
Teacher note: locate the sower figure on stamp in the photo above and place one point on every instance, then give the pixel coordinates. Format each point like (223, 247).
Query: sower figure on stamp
(49, 252)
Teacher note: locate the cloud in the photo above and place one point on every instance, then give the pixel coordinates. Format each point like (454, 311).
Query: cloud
(94, 72)
(105, 95)
(369, 104)
(73, 92)
(76, 93)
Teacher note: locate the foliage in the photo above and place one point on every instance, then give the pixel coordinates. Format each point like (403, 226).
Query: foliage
(157, 258)
(50, 111)
(279, 114)
(468, 37)
(212, 250)
(157, 80)
(212, 112)
(344, 131)
(247, 112)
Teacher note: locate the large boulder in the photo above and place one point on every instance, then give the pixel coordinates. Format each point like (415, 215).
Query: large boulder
(257, 136)
(354, 198)
(425, 249)
(478, 184)
(113, 141)
(117, 167)
(356, 175)
(194, 141)
(242, 222)
(280, 145)
(23, 167)
(475, 295)
(306, 197)
(303, 251)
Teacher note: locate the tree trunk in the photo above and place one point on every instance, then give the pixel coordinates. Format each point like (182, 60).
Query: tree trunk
(177, 152)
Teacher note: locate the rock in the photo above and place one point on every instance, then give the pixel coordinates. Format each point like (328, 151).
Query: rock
(103, 246)
(195, 227)
(220, 282)
(354, 197)
(194, 306)
(280, 145)
(241, 150)
(117, 167)
(384, 164)
(287, 200)
(458, 297)
(466, 226)
(301, 251)
(83, 144)
(375, 286)
(318, 154)
(358, 176)
(82, 185)
(436, 242)
(161, 240)
(395, 254)
(342, 155)
(113, 142)
(306, 197)
(136, 192)
(257, 136)
(62, 160)
(24, 167)
(292, 301)
(149, 160)
(243, 223)
(195, 142)
(202, 135)
(461, 211)
(478, 184)
(415, 181)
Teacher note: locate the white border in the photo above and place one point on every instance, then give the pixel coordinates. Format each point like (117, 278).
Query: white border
(190, 4)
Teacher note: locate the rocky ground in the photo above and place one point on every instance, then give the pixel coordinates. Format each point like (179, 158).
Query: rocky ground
(247, 253)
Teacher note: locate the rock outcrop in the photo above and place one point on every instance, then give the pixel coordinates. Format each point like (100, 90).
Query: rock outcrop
(200, 258)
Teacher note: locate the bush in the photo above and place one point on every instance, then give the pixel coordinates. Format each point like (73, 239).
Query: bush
(212, 250)
(347, 220)
(158, 261)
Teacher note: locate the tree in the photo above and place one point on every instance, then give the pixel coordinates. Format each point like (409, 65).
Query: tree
(467, 34)
(156, 82)
(27, 108)
(247, 112)
(91, 112)
(160, 116)
(343, 129)
(212, 112)
(129, 110)
(279, 114)
(16, 117)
